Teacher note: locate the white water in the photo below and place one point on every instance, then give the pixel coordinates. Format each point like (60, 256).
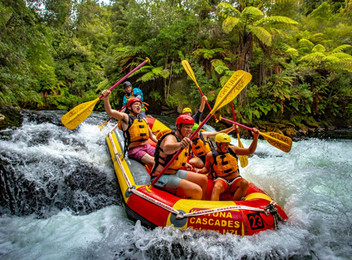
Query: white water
(59, 201)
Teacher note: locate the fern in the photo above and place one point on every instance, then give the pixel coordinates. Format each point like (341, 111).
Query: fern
(315, 57)
(226, 9)
(292, 52)
(263, 35)
(341, 48)
(276, 20)
(229, 23)
(319, 48)
(251, 13)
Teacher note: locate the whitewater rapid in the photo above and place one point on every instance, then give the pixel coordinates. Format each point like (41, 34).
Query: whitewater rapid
(59, 200)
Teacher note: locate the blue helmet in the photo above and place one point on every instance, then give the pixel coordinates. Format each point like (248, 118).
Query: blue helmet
(127, 84)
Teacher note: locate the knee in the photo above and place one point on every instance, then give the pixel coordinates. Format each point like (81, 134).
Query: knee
(217, 187)
(204, 180)
(197, 193)
(244, 185)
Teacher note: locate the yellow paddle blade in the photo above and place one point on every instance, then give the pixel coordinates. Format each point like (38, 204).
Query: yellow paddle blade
(189, 70)
(232, 88)
(277, 140)
(243, 159)
(78, 114)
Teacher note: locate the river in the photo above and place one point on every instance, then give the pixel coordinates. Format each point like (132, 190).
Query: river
(59, 200)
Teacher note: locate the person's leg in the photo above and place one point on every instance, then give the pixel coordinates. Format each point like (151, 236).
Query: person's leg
(189, 189)
(241, 188)
(200, 179)
(219, 187)
(148, 157)
(196, 162)
(143, 154)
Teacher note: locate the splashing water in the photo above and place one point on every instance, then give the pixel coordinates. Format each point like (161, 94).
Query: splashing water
(59, 200)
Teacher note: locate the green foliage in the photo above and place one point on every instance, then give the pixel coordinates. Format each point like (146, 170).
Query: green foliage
(299, 54)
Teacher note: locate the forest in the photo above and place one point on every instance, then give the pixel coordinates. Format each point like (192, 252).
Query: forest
(56, 54)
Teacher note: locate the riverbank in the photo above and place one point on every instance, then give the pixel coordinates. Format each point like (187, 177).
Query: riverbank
(13, 117)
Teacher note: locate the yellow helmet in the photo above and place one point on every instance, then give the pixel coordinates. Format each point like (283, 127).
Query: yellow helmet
(187, 110)
(222, 138)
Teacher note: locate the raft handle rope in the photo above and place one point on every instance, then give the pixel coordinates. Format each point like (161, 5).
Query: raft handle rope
(269, 209)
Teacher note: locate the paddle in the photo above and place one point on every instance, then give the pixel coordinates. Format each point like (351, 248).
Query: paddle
(277, 140)
(243, 158)
(101, 127)
(190, 73)
(79, 113)
(230, 90)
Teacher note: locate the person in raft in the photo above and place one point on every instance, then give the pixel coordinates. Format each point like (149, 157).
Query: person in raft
(201, 145)
(130, 93)
(224, 164)
(135, 129)
(196, 117)
(176, 180)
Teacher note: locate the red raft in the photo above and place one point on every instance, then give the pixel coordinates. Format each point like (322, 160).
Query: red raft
(155, 207)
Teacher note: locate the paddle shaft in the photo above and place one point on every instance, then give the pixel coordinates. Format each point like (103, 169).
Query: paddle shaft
(234, 116)
(235, 123)
(180, 150)
(126, 76)
(231, 89)
(112, 117)
(190, 73)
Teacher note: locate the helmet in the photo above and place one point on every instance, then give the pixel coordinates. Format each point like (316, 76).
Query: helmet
(222, 138)
(127, 84)
(195, 126)
(184, 119)
(187, 110)
(133, 100)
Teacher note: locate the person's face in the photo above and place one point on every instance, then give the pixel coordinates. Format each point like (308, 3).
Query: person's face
(187, 114)
(186, 130)
(128, 89)
(223, 147)
(136, 107)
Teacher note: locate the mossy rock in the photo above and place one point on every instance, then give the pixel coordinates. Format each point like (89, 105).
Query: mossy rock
(9, 117)
(291, 132)
(310, 121)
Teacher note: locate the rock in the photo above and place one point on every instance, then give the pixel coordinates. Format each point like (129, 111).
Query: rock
(10, 116)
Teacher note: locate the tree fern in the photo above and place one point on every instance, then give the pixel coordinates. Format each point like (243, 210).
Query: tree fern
(251, 14)
(229, 23)
(263, 35)
(282, 20)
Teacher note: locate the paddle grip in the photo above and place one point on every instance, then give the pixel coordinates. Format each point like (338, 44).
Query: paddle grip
(126, 76)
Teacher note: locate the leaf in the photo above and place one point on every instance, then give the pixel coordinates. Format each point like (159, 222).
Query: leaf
(341, 48)
(263, 35)
(229, 23)
(319, 48)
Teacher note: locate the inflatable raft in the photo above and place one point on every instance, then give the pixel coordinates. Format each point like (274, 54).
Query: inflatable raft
(155, 207)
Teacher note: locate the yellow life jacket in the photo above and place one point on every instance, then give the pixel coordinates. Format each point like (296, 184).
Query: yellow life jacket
(176, 164)
(225, 164)
(200, 147)
(137, 130)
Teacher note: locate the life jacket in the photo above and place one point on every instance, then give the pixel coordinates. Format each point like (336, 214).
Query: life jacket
(163, 161)
(224, 164)
(136, 132)
(200, 147)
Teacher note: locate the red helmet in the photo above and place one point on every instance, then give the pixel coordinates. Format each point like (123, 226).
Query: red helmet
(184, 119)
(133, 100)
